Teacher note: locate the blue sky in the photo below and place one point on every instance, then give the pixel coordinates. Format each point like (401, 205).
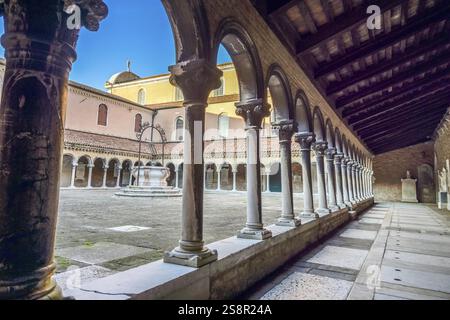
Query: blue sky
(136, 30)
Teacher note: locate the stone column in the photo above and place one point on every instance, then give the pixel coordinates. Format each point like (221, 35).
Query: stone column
(90, 168)
(219, 170)
(73, 176)
(338, 174)
(105, 174)
(329, 156)
(234, 180)
(360, 185)
(305, 140)
(351, 195)
(196, 79)
(268, 180)
(354, 182)
(319, 149)
(119, 169)
(285, 133)
(176, 178)
(345, 182)
(366, 194)
(253, 113)
(39, 50)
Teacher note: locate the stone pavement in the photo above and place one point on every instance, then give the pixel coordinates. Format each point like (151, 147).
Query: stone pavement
(99, 234)
(393, 251)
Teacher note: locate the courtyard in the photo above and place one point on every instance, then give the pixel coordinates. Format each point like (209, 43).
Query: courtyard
(100, 234)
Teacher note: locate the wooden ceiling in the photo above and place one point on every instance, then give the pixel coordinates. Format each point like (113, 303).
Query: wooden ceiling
(392, 85)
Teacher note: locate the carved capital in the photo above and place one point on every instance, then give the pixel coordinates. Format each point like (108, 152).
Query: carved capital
(253, 112)
(338, 158)
(285, 130)
(329, 154)
(92, 12)
(320, 147)
(305, 139)
(196, 79)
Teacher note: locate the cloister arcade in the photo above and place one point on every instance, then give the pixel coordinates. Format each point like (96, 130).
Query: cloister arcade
(318, 154)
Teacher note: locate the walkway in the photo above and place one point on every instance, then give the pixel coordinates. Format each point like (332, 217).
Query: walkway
(394, 251)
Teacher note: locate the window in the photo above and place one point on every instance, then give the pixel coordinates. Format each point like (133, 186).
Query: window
(179, 129)
(102, 118)
(141, 97)
(138, 123)
(224, 123)
(219, 92)
(178, 94)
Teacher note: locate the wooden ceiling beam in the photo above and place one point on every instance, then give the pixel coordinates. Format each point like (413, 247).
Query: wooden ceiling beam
(400, 59)
(432, 15)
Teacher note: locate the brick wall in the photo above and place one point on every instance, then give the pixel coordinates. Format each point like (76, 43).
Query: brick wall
(389, 168)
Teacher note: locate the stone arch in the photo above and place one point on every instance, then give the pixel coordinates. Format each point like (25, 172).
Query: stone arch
(239, 45)
(302, 113)
(82, 171)
(330, 138)
(112, 172)
(345, 146)
(226, 176)
(319, 125)
(126, 173)
(280, 91)
(97, 172)
(190, 29)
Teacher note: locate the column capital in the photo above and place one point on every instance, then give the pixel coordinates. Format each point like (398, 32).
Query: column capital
(105, 167)
(196, 79)
(48, 45)
(91, 166)
(253, 112)
(320, 147)
(285, 130)
(338, 157)
(305, 139)
(329, 154)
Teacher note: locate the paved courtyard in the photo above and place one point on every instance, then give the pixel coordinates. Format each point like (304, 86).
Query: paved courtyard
(103, 234)
(395, 251)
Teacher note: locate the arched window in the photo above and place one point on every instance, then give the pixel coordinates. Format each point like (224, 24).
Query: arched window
(102, 118)
(138, 123)
(141, 97)
(178, 94)
(179, 129)
(219, 92)
(223, 125)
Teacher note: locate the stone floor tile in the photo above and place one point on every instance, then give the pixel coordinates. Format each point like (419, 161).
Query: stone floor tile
(340, 257)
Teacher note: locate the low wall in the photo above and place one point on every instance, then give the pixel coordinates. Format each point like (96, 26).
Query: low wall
(240, 265)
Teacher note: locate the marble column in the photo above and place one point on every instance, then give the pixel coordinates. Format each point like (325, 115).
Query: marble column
(285, 133)
(39, 51)
(74, 173)
(177, 179)
(105, 174)
(119, 170)
(366, 194)
(90, 168)
(196, 79)
(319, 149)
(268, 180)
(253, 112)
(345, 183)
(305, 140)
(338, 174)
(350, 181)
(329, 160)
(354, 182)
(234, 180)
(360, 185)
(219, 178)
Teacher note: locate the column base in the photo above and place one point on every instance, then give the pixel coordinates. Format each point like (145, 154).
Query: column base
(323, 212)
(334, 208)
(309, 215)
(28, 289)
(342, 206)
(286, 222)
(259, 234)
(190, 259)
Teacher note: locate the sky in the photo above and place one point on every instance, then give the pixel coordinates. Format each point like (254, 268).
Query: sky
(135, 30)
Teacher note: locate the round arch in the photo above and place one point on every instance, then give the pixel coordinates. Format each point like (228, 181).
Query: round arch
(302, 113)
(319, 125)
(330, 138)
(338, 140)
(280, 91)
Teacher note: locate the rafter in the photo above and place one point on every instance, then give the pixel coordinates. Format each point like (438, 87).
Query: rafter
(442, 95)
(383, 41)
(398, 78)
(400, 59)
(438, 80)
